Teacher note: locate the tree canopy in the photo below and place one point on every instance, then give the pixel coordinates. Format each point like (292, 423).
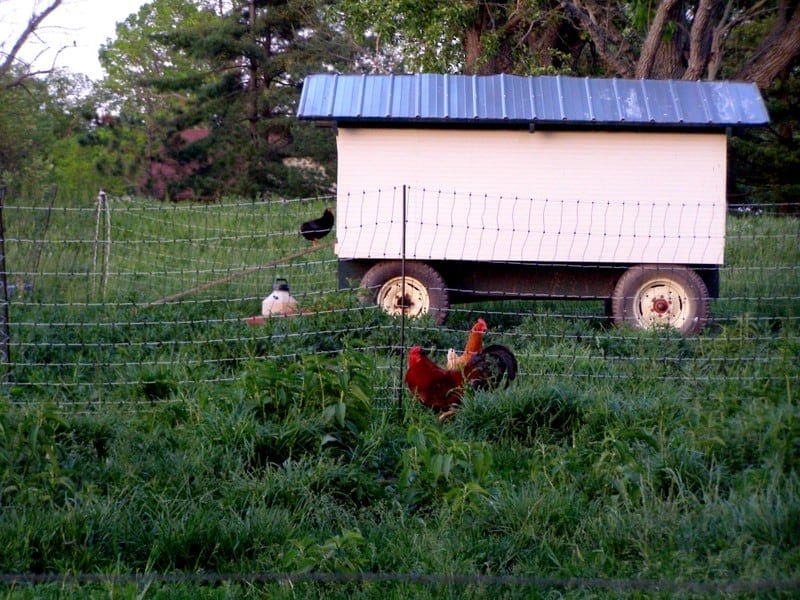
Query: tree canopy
(233, 77)
(199, 96)
(689, 39)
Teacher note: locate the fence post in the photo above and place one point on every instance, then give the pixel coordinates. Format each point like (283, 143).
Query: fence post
(41, 234)
(102, 209)
(5, 337)
(403, 311)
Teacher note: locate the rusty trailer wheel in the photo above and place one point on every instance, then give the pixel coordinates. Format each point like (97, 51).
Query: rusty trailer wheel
(422, 292)
(650, 296)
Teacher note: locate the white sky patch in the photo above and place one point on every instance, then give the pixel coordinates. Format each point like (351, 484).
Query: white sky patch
(70, 37)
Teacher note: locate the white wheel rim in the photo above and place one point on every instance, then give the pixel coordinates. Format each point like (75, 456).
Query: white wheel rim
(393, 299)
(661, 303)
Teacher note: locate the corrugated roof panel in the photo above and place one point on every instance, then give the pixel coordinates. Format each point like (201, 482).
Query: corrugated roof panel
(373, 99)
(751, 105)
(690, 99)
(630, 101)
(577, 104)
(458, 105)
(432, 96)
(660, 102)
(404, 103)
(318, 99)
(547, 99)
(604, 100)
(489, 98)
(556, 100)
(480, 97)
(724, 105)
(343, 101)
(518, 97)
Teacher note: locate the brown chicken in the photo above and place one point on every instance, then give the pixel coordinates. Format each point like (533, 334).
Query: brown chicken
(474, 345)
(442, 389)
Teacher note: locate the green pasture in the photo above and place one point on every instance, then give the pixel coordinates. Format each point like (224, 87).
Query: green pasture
(139, 437)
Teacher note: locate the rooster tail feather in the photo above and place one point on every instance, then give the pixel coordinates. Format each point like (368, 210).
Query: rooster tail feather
(507, 357)
(491, 367)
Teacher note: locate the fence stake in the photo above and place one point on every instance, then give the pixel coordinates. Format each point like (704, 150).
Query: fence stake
(403, 311)
(107, 261)
(102, 207)
(5, 336)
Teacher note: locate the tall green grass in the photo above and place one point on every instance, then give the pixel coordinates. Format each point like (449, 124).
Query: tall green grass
(178, 439)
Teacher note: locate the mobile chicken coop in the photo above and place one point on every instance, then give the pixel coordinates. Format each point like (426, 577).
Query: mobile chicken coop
(455, 188)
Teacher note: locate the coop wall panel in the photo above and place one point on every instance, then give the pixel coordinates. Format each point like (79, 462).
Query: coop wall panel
(566, 196)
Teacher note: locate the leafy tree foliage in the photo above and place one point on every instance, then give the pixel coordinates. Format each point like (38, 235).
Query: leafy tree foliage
(678, 39)
(134, 61)
(524, 37)
(21, 134)
(765, 163)
(204, 91)
(40, 124)
(231, 74)
(624, 38)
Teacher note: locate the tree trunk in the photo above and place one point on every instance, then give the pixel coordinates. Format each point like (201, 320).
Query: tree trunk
(718, 36)
(780, 49)
(252, 84)
(472, 49)
(670, 62)
(700, 40)
(652, 47)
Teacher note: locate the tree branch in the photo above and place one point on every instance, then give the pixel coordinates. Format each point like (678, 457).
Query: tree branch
(699, 52)
(728, 22)
(31, 27)
(603, 37)
(774, 57)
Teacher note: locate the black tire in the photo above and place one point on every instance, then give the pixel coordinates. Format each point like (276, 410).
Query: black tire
(424, 292)
(649, 296)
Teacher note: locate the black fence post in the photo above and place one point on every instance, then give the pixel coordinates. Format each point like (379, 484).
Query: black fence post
(5, 337)
(403, 311)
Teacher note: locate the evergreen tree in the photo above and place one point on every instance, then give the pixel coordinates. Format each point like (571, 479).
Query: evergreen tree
(258, 53)
(765, 163)
(149, 84)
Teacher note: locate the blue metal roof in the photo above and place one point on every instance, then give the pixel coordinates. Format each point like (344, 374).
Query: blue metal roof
(515, 100)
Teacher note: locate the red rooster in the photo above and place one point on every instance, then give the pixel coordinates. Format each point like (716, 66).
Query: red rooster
(437, 388)
(442, 389)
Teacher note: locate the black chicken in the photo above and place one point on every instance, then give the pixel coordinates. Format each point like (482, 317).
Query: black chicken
(490, 367)
(317, 229)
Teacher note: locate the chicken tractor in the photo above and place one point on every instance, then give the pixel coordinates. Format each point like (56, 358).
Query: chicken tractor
(457, 188)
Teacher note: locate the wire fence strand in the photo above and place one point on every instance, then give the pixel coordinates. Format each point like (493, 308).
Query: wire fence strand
(128, 285)
(434, 579)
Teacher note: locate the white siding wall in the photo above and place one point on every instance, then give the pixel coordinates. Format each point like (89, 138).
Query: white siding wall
(547, 196)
